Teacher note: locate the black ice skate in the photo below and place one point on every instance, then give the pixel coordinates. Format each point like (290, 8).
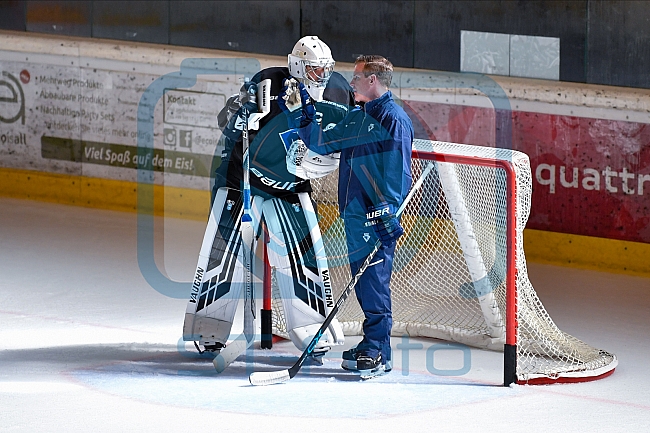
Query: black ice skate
(367, 367)
(316, 357)
(370, 367)
(350, 359)
(210, 347)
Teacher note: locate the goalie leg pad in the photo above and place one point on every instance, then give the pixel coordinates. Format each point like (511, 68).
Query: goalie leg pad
(207, 330)
(219, 277)
(297, 252)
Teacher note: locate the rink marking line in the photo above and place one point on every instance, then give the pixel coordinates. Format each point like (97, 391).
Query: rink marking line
(585, 397)
(45, 387)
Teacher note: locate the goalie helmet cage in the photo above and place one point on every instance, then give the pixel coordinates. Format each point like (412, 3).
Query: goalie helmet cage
(459, 271)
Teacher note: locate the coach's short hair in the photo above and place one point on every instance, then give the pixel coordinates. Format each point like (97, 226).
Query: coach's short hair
(378, 65)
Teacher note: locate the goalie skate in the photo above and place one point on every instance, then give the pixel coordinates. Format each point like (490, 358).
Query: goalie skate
(316, 358)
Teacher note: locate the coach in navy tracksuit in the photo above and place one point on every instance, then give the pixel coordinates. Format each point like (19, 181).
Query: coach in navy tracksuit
(374, 178)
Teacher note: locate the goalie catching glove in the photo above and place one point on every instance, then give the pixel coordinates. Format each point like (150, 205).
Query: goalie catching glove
(307, 164)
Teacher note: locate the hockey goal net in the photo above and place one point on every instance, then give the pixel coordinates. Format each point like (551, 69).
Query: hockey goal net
(459, 271)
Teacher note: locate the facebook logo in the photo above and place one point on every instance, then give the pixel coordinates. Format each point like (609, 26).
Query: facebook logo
(185, 139)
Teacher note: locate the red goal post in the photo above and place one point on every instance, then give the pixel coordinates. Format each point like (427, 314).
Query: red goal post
(510, 346)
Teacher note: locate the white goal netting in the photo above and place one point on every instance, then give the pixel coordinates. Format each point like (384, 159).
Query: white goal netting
(450, 268)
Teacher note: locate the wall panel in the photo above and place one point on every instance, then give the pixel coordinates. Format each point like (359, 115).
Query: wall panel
(438, 25)
(351, 28)
(70, 18)
(249, 26)
(145, 21)
(12, 15)
(618, 43)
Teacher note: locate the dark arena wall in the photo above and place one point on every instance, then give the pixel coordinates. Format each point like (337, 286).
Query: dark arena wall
(601, 42)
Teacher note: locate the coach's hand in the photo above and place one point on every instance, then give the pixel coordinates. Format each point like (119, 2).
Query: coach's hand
(388, 229)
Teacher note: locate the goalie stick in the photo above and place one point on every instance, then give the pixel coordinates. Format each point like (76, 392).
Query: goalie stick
(273, 377)
(235, 348)
(250, 121)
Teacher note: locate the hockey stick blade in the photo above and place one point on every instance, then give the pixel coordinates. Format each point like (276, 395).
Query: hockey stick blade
(272, 377)
(229, 353)
(260, 378)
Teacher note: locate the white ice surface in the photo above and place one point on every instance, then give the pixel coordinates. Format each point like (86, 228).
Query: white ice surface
(86, 344)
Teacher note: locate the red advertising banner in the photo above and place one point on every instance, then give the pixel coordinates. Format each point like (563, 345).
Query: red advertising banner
(590, 176)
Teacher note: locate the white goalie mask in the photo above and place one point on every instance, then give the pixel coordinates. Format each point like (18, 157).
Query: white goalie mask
(312, 64)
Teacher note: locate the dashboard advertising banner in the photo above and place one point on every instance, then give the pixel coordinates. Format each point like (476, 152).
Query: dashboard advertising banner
(590, 176)
(83, 120)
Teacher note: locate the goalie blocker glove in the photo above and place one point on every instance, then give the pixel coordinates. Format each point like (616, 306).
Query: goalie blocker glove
(247, 97)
